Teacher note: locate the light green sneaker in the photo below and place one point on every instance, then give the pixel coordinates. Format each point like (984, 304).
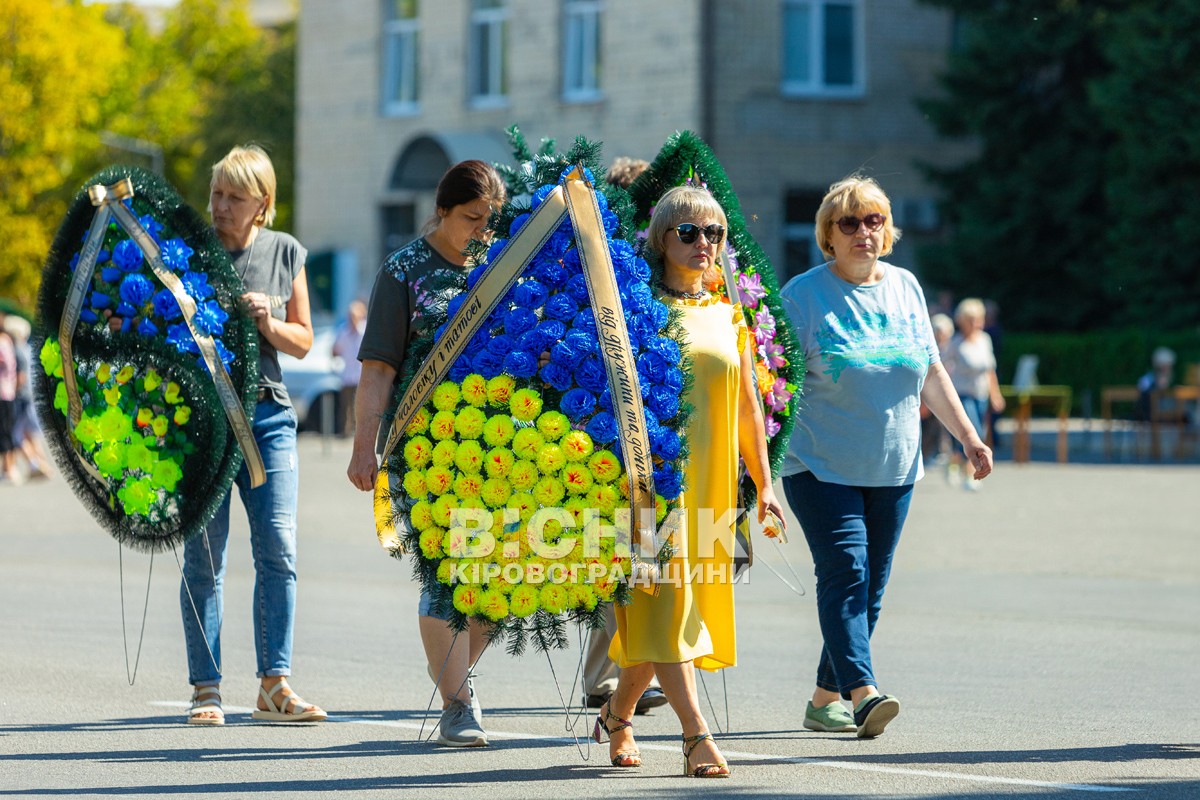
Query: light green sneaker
(833, 718)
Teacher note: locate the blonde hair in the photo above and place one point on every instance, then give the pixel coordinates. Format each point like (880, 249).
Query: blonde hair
(248, 169)
(855, 195)
(681, 204)
(943, 326)
(970, 307)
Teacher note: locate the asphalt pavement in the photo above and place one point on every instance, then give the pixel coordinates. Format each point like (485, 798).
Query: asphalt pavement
(1042, 634)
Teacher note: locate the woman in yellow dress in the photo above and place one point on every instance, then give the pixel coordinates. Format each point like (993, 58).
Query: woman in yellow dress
(690, 623)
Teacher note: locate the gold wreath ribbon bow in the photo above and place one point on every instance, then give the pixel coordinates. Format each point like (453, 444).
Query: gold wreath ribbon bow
(575, 198)
(108, 200)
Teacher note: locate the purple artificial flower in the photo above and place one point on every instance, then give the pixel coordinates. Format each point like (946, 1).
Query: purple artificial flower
(778, 395)
(771, 353)
(751, 289)
(772, 425)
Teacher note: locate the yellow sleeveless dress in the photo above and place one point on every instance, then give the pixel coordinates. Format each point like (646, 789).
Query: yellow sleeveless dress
(692, 619)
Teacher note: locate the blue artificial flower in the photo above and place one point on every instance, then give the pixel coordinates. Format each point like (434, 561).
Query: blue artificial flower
(181, 338)
(562, 238)
(502, 345)
(622, 255)
(549, 271)
(611, 222)
(197, 286)
(521, 364)
(111, 275)
(585, 321)
(517, 223)
(641, 269)
(519, 320)
(651, 367)
(640, 298)
(124, 310)
(127, 255)
(673, 379)
(557, 375)
(147, 328)
(475, 274)
(564, 353)
(488, 364)
(602, 428)
(210, 318)
(74, 262)
(605, 402)
(590, 375)
(668, 482)
(571, 263)
(102, 256)
(461, 369)
(577, 288)
(176, 253)
(152, 226)
(225, 353)
(644, 325)
(551, 331)
(587, 173)
(532, 342)
(437, 334)
(663, 402)
(561, 306)
(530, 294)
(88, 316)
(136, 290)
(126, 324)
(494, 249)
(659, 313)
(541, 194)
(601, 200)
(100, 301)
(165, 305)
(666, 445)
(577, 404)
(665, 348)
(582, 343)
(454, 305)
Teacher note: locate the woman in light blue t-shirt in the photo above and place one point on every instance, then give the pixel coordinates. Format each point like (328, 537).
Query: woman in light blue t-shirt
(855, 452)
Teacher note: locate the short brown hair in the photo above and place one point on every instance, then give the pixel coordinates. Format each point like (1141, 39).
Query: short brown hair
(625, 170)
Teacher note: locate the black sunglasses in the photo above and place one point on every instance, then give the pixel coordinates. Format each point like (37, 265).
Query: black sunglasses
(849, 225)
(688, 232)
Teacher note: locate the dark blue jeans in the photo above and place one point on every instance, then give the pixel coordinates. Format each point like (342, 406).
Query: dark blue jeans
(852, 532)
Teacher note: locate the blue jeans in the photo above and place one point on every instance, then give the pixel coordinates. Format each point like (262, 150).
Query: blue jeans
(852, 532)
(271, 509)
(977, 411)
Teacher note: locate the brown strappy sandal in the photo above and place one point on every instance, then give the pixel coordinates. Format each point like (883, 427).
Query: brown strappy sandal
(702, 770)
(623, 758)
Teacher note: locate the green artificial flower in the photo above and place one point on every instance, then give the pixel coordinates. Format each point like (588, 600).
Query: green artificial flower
(182, 415)
(110, 459)
(115, 425)
(137, 496)
(87, 432)
(166, 474)
(51, 357)
(153, 380)
(60, 397)
(140, 457)
(159, 425)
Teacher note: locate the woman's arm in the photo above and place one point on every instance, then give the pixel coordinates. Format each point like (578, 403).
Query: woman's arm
(292, 335)
(374, 390)
(752, 441)
(943, 401)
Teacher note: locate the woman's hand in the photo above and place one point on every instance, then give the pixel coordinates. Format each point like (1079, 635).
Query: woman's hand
(981, 458)
(364, 467)
(767, 502)
(257, 305)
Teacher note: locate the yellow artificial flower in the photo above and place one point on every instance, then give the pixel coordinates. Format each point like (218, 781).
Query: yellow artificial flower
(171, 393)
(159, 425)
(500, 389)
(523, 601)
(182, 415)
(104, 373)
(446, 396)
(475, 390)
(125, 375)
(152, 380)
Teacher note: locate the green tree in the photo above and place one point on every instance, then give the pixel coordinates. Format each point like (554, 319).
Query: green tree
(56, 62)
(1029, 215)
(1151, 103)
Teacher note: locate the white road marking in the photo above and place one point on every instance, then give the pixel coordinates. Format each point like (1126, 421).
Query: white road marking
(729, 754)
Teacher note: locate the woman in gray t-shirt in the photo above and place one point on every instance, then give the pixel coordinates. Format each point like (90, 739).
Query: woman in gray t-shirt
(413, 285)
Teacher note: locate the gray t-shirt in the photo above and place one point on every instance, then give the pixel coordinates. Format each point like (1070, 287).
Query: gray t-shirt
(868, 349)
(270, 265)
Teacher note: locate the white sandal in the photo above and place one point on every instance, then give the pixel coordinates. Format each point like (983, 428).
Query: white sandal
(201, 705)
(279, 713)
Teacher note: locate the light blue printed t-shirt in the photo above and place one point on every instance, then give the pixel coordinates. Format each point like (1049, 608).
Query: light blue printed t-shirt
(868, 349)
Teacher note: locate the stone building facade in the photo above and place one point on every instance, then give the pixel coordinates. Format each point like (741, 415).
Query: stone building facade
(791, 95)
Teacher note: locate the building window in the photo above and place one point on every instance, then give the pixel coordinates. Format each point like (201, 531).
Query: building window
(823, 48)
(800, 251)
(581, 50)
(489, 53)
(401, 39)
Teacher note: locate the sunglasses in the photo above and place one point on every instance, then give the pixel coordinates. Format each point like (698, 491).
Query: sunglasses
(688, 232)
(849, 225)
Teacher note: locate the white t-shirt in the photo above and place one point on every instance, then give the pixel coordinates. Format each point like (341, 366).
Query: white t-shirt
(867, 349)
(969, 363)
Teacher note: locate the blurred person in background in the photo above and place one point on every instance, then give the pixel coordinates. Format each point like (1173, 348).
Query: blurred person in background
(8, 396)
(971, 363)
(345, 347)
(26, 432)
(1160, 378)
(935, 439)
